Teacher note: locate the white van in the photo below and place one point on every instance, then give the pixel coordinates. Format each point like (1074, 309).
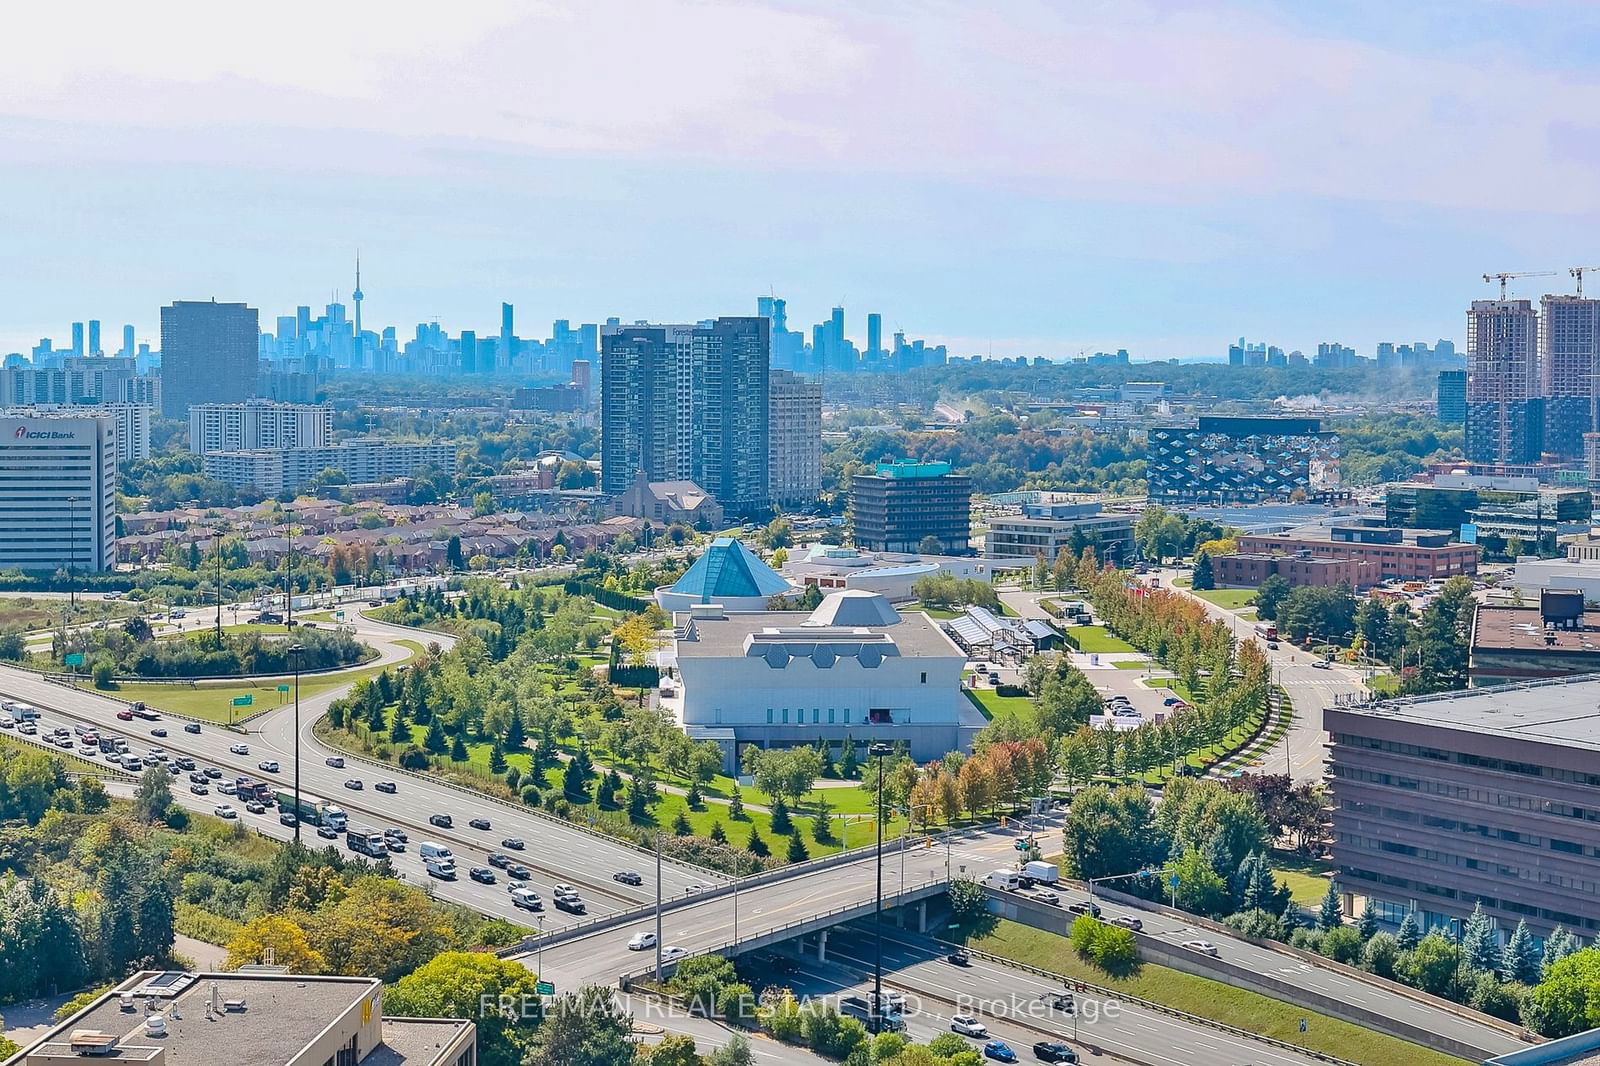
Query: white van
(1006, 880)
(527, 899)
(436, 851)
(443, 869)
(132, 763)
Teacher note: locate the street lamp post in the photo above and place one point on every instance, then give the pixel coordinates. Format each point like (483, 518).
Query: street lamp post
(295, 651)
(878, 751)
(216, 550)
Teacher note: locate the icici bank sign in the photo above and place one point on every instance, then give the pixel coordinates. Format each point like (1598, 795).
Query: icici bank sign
(24, 433)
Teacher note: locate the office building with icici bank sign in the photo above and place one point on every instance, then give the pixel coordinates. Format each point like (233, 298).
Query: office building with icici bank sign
(58, 480)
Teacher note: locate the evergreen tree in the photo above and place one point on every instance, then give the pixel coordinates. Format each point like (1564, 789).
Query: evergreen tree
(436, 741)
(822, 825)
(1557, 946)
(825, 750)
(375, 717)
(1480, 946)
(607, 794)
(1368, 925)
(584, 760)
(458, 750)
(400, 731)
(497, 758)
(515, 737)
(718, 834)
(780, 817)
(1273, 896)
(756, 845)
(513, 778)
(1410, 934)
(694, 798)
(680, 825)
(573, 783)
(1328, 914)
(1246, 883)
(1520, 959)
(736, 805)
(797, 849)
(1203, 579)
(848, 766)
(638, 806)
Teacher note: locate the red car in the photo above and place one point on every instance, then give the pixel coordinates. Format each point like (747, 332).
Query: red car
(126, 716)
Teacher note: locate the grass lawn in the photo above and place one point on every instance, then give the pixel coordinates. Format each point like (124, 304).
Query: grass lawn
(1098, 639)
(1214, 1000)
(1145, 665)
(1385, 685)
(1307, 878)
(1229, 599)
(1177, 686)
(943, 613)
(213, 701)
(993, 705)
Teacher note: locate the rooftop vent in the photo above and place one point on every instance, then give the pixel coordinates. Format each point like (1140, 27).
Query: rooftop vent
(91, 1042)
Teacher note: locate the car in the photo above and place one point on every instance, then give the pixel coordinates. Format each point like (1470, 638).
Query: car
(480, 823)
(499, 860)
(994, 678)
(1091, 908)
(155, 755)
(1272, 645)
(287, 818)
(628, 877)
(1000, 1051)
(642, 941)
(1322, 664)
(227, 788)
(522, 873)
(443, 821)
(158, 731)
(191, 727)
(198, 778)
(213, 773)
(224, 810)
(394, 843)
(959, 957)
(693, 889)
(563, 889)
(1063, 1002)
(967, 1025)
(1170, 700)
(335, 761)
(125, 716)
(1049, 1051)
(354, 784)
(183, 763)
(327, 832)
(1128, 921)
(513, 843)
(268, 767)
(1047, 897)
(199, 789)
(571, 904)
(396, 833)
(1204, 947)
(482, 874)
(239, 749)
(385, 786)
(672, 953)
(256, 807)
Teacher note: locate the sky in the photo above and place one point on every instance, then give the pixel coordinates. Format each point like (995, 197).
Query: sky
(1020, 178)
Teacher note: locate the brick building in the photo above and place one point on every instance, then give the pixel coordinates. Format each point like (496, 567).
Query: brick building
(1300, 568)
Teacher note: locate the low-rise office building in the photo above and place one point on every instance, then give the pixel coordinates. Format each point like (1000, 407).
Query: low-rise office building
(852, 668)
(903, 503)
(1245, 570)
(250, 1018)
(1402, 554)
(58, 482)
(1444, 802)
(1555, 638)
(1053, 521)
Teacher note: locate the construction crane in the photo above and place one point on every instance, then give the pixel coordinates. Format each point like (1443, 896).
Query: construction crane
(1523, 274)
(1578, 273)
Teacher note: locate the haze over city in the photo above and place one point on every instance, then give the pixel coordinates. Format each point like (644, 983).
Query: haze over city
(1043, 180)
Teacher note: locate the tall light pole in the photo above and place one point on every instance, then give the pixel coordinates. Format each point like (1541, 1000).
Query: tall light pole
(658, 908)
(72, 554)
(216, 551)
(295, 651)
(288, 577)
(878, 751)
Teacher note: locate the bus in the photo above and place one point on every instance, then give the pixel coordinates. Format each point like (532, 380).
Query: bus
(1267, 630)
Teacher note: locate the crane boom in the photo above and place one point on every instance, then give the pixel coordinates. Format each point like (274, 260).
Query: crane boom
(1505, 276)
(1578, 273)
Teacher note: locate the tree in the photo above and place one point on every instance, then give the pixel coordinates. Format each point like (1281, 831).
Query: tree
(1431, 966)
(781, 823)
(1410, 933)
(154, 794)
(1269, 594)
(1106, 832)
(1378, 954)
(1567, 1000)
(797, 849)
(756, 845)
(1557, 946)
(275, 939)
(1480, 946)
(1200, 888)
(1368, 924)
(573, 783)
(736, 805)
(452, 554)
(718, 834)
(458, 750)
(681, 826)
(675, 1049)
(1329, 914)
(1203, 579)
(586, 1028)
(1520, 960)
(736, 1052)
(930, 545)
(1342, 945)
(435, 740)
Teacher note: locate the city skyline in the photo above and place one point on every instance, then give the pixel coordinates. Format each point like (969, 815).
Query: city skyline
(884, 159)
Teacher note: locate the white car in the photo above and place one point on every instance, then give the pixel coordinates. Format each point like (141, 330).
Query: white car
(1322, 664)
(239, 749)
(1204, 947)
(640, 941)
(223, 810)
(967, 1025)
(268, 767)
(672, 953)
(564, 889)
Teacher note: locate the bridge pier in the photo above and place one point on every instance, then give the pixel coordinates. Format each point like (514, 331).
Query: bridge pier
(822, 946)
(922, 917)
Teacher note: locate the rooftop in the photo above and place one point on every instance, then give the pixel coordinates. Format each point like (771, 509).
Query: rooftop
(915, 634)
(1522, 629)
(1562, 711)
(910, 468)
(729, 570)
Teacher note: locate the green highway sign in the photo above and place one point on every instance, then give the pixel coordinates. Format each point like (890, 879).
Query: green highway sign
(545, 988)
(243, 701)
(283, 688)
(74, 659)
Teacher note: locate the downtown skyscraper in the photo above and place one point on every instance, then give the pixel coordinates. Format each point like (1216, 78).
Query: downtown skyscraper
(209, 354)
(688, 403)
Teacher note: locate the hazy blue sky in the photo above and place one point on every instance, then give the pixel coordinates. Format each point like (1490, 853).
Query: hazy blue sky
(1019, 177)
